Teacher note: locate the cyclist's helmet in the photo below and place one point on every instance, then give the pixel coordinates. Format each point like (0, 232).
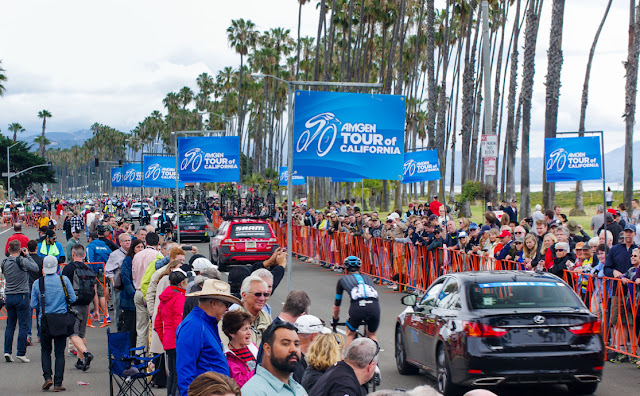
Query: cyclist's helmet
(352, 263)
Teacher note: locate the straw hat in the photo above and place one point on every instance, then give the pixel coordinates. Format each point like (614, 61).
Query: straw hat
(217, 289)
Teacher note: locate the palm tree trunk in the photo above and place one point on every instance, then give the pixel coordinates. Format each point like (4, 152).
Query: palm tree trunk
(578, 210)
(298, 44)
(631, 88)
(316, 69)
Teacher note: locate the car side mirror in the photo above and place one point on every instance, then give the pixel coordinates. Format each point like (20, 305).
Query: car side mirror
(409, 300)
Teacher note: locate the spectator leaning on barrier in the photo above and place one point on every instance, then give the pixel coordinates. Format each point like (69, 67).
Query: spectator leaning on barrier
(241, 353)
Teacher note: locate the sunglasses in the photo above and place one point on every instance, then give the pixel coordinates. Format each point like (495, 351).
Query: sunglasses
(377, 351)
(518, 243)
(266, 294)
(519, 232)
(559, 250)
(634, 255)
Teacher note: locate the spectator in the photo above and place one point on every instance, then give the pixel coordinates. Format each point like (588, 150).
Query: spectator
(32, 247)
(113, 268)
(74, 240)
(609, 238)
(598, 219)
(254, 292)
(140, 263)
(97, 255)
(542, 228)
(241, 353)
(464, 224)
(434, 206)
(492, 220)
(17, 235)
(612, 226)
(516, 250)
(198, 334)
(325, 351)
(127, 315)
(576, 233)
(505, 245)
(209, 273)
(562, 260)
(309, 327)
(624, 215)
(531, 256)
(274, 375)
(537, 214)
(168, 317)
(213, 384)
(84, 279)
(512, 211)
(55, 288)
(557, 212)
(15, 270)
(608, 197)
(348, 377)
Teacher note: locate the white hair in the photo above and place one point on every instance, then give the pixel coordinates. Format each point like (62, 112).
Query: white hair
(538, 207)
(609, 235)
(246, 283)
(263, 273)
(562, 245)
(594, 242)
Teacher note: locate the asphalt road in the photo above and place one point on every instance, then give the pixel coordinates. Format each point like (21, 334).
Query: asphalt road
(26, 379)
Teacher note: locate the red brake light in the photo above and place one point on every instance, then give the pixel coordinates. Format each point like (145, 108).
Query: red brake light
(588, 328)
(206, 226)
(228, 242)
(474, 329)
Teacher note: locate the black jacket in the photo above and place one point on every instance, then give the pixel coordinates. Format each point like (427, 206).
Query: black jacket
(615, 231)
(310, 378)
(339, 380)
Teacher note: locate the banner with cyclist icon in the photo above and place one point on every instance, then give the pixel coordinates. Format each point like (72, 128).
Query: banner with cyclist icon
(132, 175)
(420, 166)
(573, 158)
(296, 180)
(116, 177)
(349, 135)
(209, 159)
(160, 171)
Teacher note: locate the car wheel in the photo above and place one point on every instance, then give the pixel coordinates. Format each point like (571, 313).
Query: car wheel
(583, 389)
(403, 366)
(443, 374)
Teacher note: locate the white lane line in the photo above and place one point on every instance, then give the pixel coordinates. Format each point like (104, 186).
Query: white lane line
(8, 229)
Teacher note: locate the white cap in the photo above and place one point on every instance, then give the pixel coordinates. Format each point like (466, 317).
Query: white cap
(309, 324)
(200, 264)
(393, 216)
(49, 265)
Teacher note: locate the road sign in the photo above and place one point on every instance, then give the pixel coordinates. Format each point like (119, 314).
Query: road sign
(490, 166)
(5, 174)
(489, 146)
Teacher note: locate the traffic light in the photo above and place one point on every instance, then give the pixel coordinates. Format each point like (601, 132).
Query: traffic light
(119, 162)
(97, 163)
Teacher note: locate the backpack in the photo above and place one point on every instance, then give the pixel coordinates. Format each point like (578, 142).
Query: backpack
(84, 281)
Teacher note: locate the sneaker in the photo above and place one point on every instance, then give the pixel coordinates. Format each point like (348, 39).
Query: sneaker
(108, 319)
(29, 343)
(59, 388)
(620, 358)
(47, 384)
(79, 365)
(633, 360)
(8, 357)
(88, 357)
(23, 359)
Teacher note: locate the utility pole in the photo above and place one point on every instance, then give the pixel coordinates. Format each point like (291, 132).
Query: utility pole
(490, 159)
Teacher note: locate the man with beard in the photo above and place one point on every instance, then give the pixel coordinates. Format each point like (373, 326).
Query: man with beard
(274, 376)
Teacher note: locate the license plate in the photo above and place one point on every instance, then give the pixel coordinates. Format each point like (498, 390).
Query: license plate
(191, 227)
(250, 245)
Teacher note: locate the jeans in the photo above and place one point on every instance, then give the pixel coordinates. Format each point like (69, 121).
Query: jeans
(59, 344)
(33, 311)
(172, 378)
(17, 306)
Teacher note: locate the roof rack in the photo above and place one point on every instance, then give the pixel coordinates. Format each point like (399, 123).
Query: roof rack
(229, 217)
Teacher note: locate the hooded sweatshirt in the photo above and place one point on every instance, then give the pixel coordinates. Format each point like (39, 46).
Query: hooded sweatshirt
(169, 315)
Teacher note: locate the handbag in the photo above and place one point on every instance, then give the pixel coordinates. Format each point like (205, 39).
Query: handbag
(57, 324)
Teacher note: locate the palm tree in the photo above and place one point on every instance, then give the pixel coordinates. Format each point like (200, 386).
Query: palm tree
(301, 3)
(241, 35)
(579, 204)
(3, 78)
(631, 88)
(44, 114)
(15, 128)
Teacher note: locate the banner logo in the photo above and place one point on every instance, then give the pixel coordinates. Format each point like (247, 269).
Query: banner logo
(116, 177)
(319, 122)
(296, 180)
(130, 175)
(153, 172)
(193, 157)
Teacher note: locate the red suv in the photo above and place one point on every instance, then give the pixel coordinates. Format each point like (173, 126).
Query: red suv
(242, 241)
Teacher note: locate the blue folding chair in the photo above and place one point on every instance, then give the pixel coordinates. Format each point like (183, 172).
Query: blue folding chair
(126, 368)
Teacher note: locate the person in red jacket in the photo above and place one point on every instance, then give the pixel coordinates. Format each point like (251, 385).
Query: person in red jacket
(168, 318)
(18, 235)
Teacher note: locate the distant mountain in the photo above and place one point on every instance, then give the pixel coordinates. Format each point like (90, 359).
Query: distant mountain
(63, 140)
(614, 166)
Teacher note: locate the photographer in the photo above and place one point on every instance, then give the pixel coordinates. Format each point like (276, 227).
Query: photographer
(393, 227)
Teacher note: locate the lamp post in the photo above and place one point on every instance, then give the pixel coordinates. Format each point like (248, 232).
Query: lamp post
(290, 85)
(9, 172)
(224, 118)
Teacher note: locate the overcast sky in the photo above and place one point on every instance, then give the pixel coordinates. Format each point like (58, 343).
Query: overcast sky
(113, 62)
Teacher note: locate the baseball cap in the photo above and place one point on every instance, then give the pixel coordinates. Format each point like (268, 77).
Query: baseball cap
(309, 324)
(609, 216)
(237, 275)
(50, 234)
(393, 215)
(437, 230)
(49, 265)
(201, 263)
(630, 227)
(485, 227)
(519, 239)
(433, 217)
(579, 246)
(473, 226)
(411, 205)
(462, 234)
(612, 211)
(504, 234)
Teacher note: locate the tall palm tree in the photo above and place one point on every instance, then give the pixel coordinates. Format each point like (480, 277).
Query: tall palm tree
(631, 89)
(578, 210)
(15, 128)
(241, 35)
(300, 4)
(44, 114)
(3, 78)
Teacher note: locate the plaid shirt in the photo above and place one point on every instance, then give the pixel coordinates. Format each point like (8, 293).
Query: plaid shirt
(76, 222)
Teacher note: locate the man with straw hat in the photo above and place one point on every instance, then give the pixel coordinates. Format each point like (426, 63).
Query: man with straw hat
(198, 345)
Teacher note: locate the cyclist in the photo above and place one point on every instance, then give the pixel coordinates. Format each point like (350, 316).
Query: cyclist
(145, 216)
(364, 308)
(165, 225)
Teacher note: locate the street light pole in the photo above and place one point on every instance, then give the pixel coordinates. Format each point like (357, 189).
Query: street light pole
(290, 85)
(9, 172)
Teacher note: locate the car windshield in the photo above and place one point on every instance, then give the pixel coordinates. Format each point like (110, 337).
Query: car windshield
(521, 294)
(255, 230)
(191, 218)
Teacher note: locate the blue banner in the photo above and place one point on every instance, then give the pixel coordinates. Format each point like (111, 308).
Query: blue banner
(160, 171)
(571, 159)
(209, 159)
(296, 180)
(337, 179)
(116, 177)
(348, 135)
(132, 175)
(420, 166)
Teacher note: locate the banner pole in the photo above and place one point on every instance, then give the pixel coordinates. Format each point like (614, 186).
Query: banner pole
(289, 185)
(604, 193)
(177, 189)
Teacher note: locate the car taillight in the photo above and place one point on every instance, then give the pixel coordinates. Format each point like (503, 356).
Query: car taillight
(474, 329)
(588, 328)
(206, 226)
(272, 240)
(175, 227)
(226, 242)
